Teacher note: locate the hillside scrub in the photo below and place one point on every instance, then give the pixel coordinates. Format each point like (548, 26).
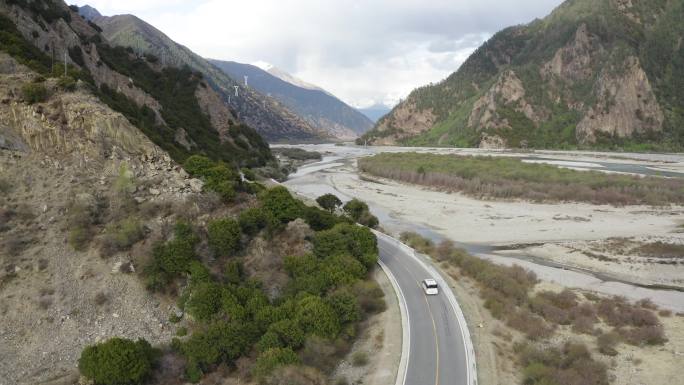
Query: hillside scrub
(508, 178)
(326, 296)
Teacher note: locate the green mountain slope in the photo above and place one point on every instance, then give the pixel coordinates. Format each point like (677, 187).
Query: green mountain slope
(272, 120)
(592, 74)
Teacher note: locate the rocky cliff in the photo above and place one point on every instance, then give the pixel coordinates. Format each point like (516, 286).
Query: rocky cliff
(593, 74)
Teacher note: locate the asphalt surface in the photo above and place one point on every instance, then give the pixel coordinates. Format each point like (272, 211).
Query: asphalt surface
(437, 354)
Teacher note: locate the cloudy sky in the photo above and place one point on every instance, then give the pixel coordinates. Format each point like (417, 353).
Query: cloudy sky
(363, 51)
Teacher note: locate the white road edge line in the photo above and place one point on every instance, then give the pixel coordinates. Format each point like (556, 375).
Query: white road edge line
(405, 326)
(471, 373)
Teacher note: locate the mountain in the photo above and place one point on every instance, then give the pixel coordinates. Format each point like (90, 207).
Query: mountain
(275, 122)
(319, 108)
(592, 74)
(285, 76)
(89, 12)
(375, 112)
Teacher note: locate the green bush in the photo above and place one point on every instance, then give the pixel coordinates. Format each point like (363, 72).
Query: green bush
(172, 258)
(34, 93)
(219, 342)
(253, 220)
(289, 332)
(233, 272)
(317, 317)
(329, 202)
(348, 239)
(279, 202)
(117, 361)
(345, 305)
(204, 301)
(224, 236)
(318, 219)
(272, 359)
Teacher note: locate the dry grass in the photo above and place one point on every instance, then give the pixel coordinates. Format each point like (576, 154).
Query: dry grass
(509, 178)
(661, 250)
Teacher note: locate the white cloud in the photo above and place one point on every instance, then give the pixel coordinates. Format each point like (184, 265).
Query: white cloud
(363, 51)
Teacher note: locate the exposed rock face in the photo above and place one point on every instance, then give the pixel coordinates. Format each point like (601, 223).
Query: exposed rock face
(55, 300)
(404, 121)
(575, 61)
(626, 105)
(508, 91)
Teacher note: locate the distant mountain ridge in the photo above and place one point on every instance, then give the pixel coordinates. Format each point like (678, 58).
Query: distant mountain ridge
(271, 119)
(375, 112)
(593, 74)
(318, 107)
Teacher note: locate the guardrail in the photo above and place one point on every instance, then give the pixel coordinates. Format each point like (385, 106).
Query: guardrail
(471, 375)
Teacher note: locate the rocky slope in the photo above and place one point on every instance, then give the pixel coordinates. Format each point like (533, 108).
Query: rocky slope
(274, 121)
(316, 106)
(56, 156)
(592, 74)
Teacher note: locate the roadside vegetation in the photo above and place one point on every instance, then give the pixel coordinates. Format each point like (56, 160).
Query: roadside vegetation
(228, 318)
(508, 178)
(509, 294)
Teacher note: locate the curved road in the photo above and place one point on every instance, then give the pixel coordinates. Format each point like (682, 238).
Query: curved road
(437, 352)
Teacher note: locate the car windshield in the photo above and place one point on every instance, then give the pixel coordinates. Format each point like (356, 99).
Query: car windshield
(431, 285)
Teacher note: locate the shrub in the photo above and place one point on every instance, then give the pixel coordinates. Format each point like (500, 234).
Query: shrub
(356, 241)
(117, 361)
(317, 317)
(318, 219)
(272, 359)
(329, 202)
(204, 301)
(289, 332)
(370, 297)
(345, 305)
(320, 353)
(171, 258)
(123, 234)
(224, 236)
(572, 364)
(219, 342)
(34, 93)
(607, 342)
(280, 203)
(253, 220)
(233, 272)
(67, 83)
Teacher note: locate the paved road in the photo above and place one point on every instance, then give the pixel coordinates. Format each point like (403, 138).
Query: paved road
(437, 354)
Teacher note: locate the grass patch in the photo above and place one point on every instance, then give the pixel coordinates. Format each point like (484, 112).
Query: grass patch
(508, 178)
(297, 153)
(661, 250)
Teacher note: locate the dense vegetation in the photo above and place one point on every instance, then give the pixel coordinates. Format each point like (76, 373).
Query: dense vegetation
(311, 322)
(509, 178)
(653, 35)
(298, 153)
(508, 294)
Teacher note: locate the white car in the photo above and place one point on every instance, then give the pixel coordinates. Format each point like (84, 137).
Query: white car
(430, 287)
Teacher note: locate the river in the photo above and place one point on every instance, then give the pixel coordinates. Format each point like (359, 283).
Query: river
(313, 180)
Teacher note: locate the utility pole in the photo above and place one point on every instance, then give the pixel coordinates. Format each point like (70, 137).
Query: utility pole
(65, 62)
(246, 77)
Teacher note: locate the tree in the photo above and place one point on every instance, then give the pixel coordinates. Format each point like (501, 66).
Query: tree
(117, 361)
(355, 208)
(204, 301)
(224, 236)
(329, 202)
